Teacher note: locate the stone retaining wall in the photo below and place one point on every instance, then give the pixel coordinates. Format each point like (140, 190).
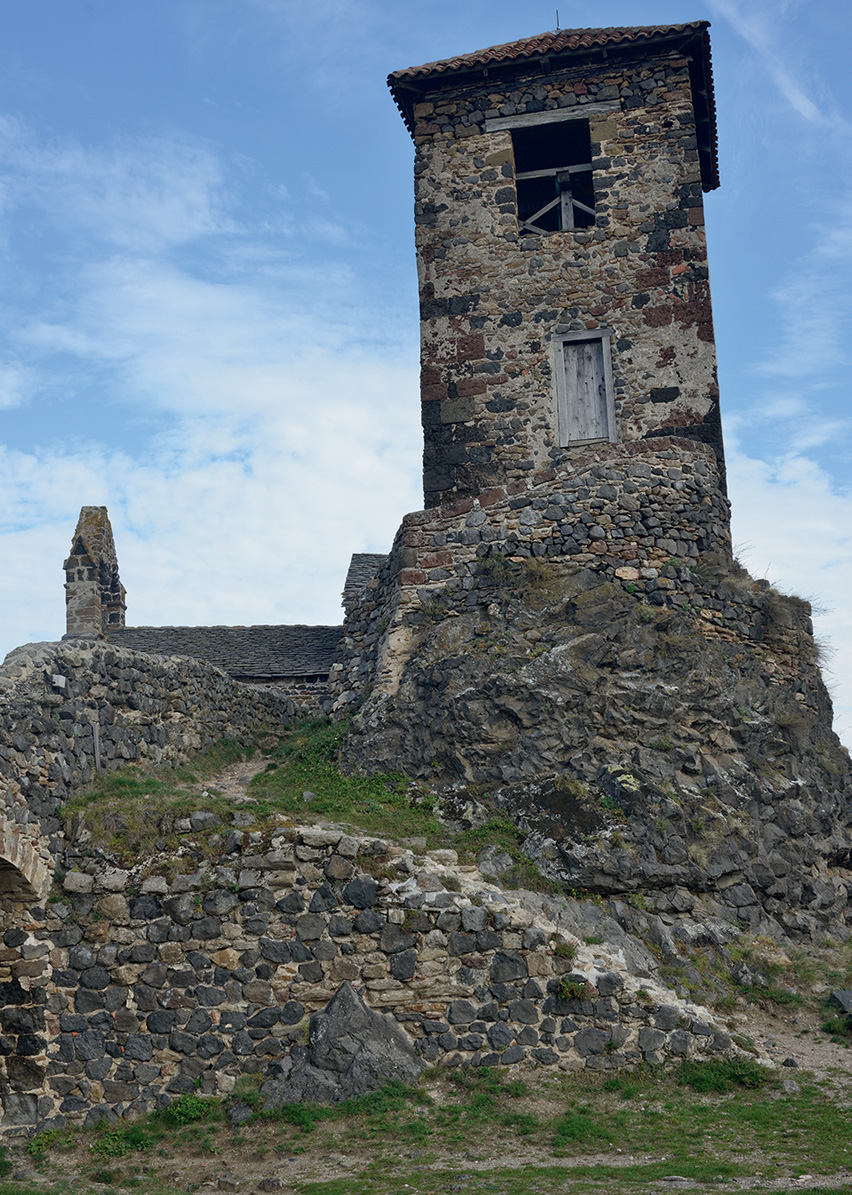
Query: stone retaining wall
(494, 298)
(130, 987)
(72, 709)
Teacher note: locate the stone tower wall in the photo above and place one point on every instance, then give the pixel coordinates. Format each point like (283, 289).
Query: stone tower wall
(493, 301)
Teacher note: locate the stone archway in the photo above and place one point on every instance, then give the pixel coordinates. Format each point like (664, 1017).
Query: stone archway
(24, 874)
(25, 879)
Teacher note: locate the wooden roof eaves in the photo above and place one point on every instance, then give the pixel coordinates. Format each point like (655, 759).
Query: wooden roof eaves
(692, 40)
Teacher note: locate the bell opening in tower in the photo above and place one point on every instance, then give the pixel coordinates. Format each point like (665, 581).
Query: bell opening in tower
(553, 172)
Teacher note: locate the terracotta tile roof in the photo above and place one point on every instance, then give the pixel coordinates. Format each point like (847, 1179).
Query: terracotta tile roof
(409, 85)
(546, 43)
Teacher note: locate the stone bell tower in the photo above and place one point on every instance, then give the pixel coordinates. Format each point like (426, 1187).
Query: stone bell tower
(565, 300)
(568, 368)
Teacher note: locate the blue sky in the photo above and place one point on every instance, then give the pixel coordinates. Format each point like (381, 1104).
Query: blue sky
(208, 310)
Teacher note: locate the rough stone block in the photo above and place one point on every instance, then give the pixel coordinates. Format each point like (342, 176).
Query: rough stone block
(78, 881)
(361, 892)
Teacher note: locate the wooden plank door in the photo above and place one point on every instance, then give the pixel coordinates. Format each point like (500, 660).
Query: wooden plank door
(584, 408)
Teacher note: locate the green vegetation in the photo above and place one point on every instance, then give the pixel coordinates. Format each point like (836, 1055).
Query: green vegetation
(569, 988)
(771, 993)
(838, 1026)
(723, 1076)
(307, 761)
(186, 1109)
(302, 780)
(126, 808)
(531, 581)
(706, 1121)
(775, 976)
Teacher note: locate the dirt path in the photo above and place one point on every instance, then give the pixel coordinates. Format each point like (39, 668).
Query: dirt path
(233, 781)
(797, 1035)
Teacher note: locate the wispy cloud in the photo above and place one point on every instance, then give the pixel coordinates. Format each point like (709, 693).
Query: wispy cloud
(286, 432)
(815, 298)
(16, 384)
(758, 23)
(807, 552)
(141, 195)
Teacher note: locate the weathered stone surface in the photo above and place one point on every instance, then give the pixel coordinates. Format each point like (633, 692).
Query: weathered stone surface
(361, 892)
(78, 881)
(352, 1050)
(557, 766)
(842, 1000)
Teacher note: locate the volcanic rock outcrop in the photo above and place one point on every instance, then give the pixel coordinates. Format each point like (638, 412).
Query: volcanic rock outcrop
(642, 748)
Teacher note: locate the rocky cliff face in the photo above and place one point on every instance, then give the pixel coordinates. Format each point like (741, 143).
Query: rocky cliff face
(643, 747)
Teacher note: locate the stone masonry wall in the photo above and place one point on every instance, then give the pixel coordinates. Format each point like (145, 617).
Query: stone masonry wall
(130, 987)
(649, 515)
(69, 710)
(494, 299)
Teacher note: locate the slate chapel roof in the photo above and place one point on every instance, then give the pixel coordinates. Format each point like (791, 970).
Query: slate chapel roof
(414, 83)
(250, 653)
(262, 653)
(362, 568)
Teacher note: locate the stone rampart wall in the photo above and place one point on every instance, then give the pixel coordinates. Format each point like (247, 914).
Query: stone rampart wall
(652, 518)
(130, 987)
(69, 710)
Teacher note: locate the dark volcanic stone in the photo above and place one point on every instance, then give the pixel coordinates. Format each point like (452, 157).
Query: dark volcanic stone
(352, 1050)
(361, 892)
(368, 921)
(505, 967)
(404, 965)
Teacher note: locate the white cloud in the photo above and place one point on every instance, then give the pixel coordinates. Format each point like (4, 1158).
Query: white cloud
(16, 384)
(797, 525)
(288, 432)
(205, 538)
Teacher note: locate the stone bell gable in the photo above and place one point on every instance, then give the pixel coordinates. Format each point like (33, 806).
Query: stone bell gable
(562, 262)
(94, 594)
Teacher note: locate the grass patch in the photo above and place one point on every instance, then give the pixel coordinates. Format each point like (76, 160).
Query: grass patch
(308, 762)
(502, 832)
(772, 993)
(582, 1126)
(179, 1118)
(534, 582)
(125, 809)
(723, 1076)
(838, 1026)
(187, 1109)
(709, 1121)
